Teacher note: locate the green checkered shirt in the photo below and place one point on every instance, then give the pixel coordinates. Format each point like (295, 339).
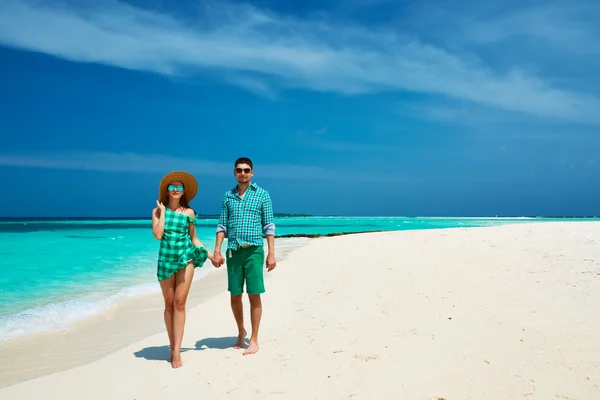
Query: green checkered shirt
(246, 220)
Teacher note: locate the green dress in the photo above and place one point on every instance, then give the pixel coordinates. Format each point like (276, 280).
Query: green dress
(176, 247)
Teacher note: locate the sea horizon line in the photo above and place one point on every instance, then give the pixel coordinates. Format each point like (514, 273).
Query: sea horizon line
(216, 216)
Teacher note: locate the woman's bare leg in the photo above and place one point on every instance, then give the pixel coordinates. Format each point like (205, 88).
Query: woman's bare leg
(168, 290)
(183, 281)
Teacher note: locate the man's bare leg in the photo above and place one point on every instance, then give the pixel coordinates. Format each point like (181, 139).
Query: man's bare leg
(238, 312)
(255, 315)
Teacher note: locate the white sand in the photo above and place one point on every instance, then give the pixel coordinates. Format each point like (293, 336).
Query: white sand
(482, 313)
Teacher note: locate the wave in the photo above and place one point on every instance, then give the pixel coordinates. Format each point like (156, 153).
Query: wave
(62, 315)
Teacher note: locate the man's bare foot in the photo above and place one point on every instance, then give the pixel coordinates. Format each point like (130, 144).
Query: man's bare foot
(240, 340)
(252, 348)
(176, 360)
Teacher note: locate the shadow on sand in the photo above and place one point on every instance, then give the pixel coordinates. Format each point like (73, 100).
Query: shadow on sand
(220, 343)
(162, 353)
(157, 353)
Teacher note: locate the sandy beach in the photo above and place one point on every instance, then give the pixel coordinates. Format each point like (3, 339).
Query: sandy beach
(508, 312)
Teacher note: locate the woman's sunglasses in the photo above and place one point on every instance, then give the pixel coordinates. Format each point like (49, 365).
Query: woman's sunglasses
(173, 187)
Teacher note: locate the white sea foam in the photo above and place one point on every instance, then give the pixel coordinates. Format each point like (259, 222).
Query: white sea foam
(62, 315)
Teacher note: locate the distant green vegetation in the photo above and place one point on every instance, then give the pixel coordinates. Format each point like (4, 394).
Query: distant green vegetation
(290, 215)
(276, 215)
(318, 235)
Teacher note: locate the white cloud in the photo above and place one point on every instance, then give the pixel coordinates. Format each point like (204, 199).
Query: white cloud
(570, 26)
(558, 21)
(133, 162)
(275, 50)
(360, 148)
(258, 86)
(156, 163)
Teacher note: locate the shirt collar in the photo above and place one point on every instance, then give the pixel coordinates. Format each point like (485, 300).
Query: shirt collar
(253, 186)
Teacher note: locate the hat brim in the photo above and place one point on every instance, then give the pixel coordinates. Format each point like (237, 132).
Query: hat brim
(190, 185)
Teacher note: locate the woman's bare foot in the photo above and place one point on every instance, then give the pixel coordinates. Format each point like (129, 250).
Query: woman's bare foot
(171, 352)
(252, 348)
(176, 360)
(240, 340)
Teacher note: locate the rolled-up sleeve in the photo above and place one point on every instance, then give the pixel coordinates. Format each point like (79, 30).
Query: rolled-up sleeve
(267, 220)
(224, 217)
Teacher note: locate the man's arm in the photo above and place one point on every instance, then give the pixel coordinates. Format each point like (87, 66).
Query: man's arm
(219, 241)
(271, 246)
(221, 227)
(268, 227)
(267, 220)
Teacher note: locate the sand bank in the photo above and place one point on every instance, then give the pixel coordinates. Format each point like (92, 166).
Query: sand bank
(504, 312)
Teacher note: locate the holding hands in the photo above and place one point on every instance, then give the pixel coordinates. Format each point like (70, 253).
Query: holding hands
(217, 259)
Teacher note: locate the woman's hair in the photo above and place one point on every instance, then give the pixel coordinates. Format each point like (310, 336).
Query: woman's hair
(183, 201)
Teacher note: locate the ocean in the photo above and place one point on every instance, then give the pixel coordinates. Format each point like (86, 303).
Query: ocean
(56, 272)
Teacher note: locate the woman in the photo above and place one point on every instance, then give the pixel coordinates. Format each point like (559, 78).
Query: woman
(173, 223)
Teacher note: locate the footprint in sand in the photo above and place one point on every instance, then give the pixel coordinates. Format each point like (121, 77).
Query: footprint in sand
(366, 357)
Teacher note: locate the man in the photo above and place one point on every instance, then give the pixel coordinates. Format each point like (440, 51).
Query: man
(246, 218)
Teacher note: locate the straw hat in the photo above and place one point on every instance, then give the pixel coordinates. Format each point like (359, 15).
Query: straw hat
(190, 185)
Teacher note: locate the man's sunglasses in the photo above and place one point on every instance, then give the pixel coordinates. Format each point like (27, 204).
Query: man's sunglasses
(240, 170)
(173, 187)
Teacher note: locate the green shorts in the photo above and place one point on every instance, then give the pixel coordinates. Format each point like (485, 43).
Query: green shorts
(245, 264)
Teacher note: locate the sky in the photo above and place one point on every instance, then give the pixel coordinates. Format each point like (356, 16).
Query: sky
(354, 107)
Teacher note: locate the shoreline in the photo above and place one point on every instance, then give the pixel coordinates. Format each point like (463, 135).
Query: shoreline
(60, 314)
(128, 321)
(131, 319)
(559, 218)
(510, 221)
(320, 235)
(334, 234)
(499, 312)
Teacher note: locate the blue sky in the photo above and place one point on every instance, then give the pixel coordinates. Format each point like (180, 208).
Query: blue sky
(355, 107)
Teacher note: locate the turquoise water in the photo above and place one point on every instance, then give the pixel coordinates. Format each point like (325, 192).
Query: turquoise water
(57, 272)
